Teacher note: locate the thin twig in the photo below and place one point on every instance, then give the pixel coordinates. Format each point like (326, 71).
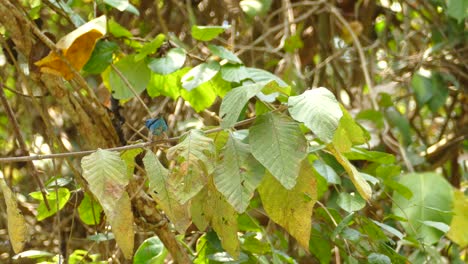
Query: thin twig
(122, 148)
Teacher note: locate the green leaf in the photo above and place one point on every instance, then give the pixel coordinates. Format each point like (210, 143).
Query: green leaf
(224, 53)
(359, 182)
(458, 232)
(57, 199)
(200, 74)
(278, 144)
(357, 153)
(422, 87)
(348, 133)
(136, 73)
(259, 75)
(437, 225)
(207, 33)
(255, 7)
(151, 251)
(167, 85)
(342, 225)
(457, 9)
(238, 174)
(129, 157)
(117, 30)
(195, 161)
(120, 5)
(253, 245)
(164, 193)
(318, 110)
(89, 210)
(234, 73)
(320, 245)
(389, 229)
(173, 61)
(375, 258)
(106, 175)
(372, 115)
(291, 209)
(396, 119)
(101, 57)
(327, 172)
(150, 47)
(204, 95)
(350, 203)
(234, 102)
(431, 201)
(293, 43)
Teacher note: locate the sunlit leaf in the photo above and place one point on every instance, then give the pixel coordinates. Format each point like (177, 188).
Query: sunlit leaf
(76, 47)
(17, 229)
(57, 199)
(348, 133)
(350, 203)
(234, 73)
(458, 232)
(278, 144)
(238, 174)
(173, 61)
(205, 95)
(150, 47)
(255, 7)
(129, 157)
(89, 211)
(319, 110)
(291, 209)
(207, 33)
(135, 72)
(106, 175)
(200, 74)
(167, 85)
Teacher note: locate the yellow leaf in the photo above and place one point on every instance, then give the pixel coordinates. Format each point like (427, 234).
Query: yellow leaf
(16, 224)
(359, 182)
(291, 209)
(121, 221)
(458, 228)
(76, 47)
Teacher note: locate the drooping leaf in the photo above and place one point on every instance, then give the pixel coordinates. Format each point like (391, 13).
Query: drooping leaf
(164, 193)
(238, 174)
(389, 229)
(89, 210)
(458, 232)
(117, 30)
(150, 47)
(348, 133)
(207, 33)
(234, 102)
(291, 209)
(166, 85)
(224, 53)
(151, 251)
(195, 160)
(57, 199)
(210, 205)
(457, 9)
(319, 110)
(17, 229)
(200, 74)
(327, 172)
(101, 57)
(135, 72)
(278, 144)
(431, 201)
(359, 182)
(173, 61)
(106, 175)
(357, 153)
(76, 47)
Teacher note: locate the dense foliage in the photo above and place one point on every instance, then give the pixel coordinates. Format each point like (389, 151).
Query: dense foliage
(251, 131)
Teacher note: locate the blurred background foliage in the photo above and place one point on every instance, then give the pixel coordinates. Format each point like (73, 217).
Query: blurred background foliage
(399, 67)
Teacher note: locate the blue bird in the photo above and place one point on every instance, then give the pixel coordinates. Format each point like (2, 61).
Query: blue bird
(157, 125)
